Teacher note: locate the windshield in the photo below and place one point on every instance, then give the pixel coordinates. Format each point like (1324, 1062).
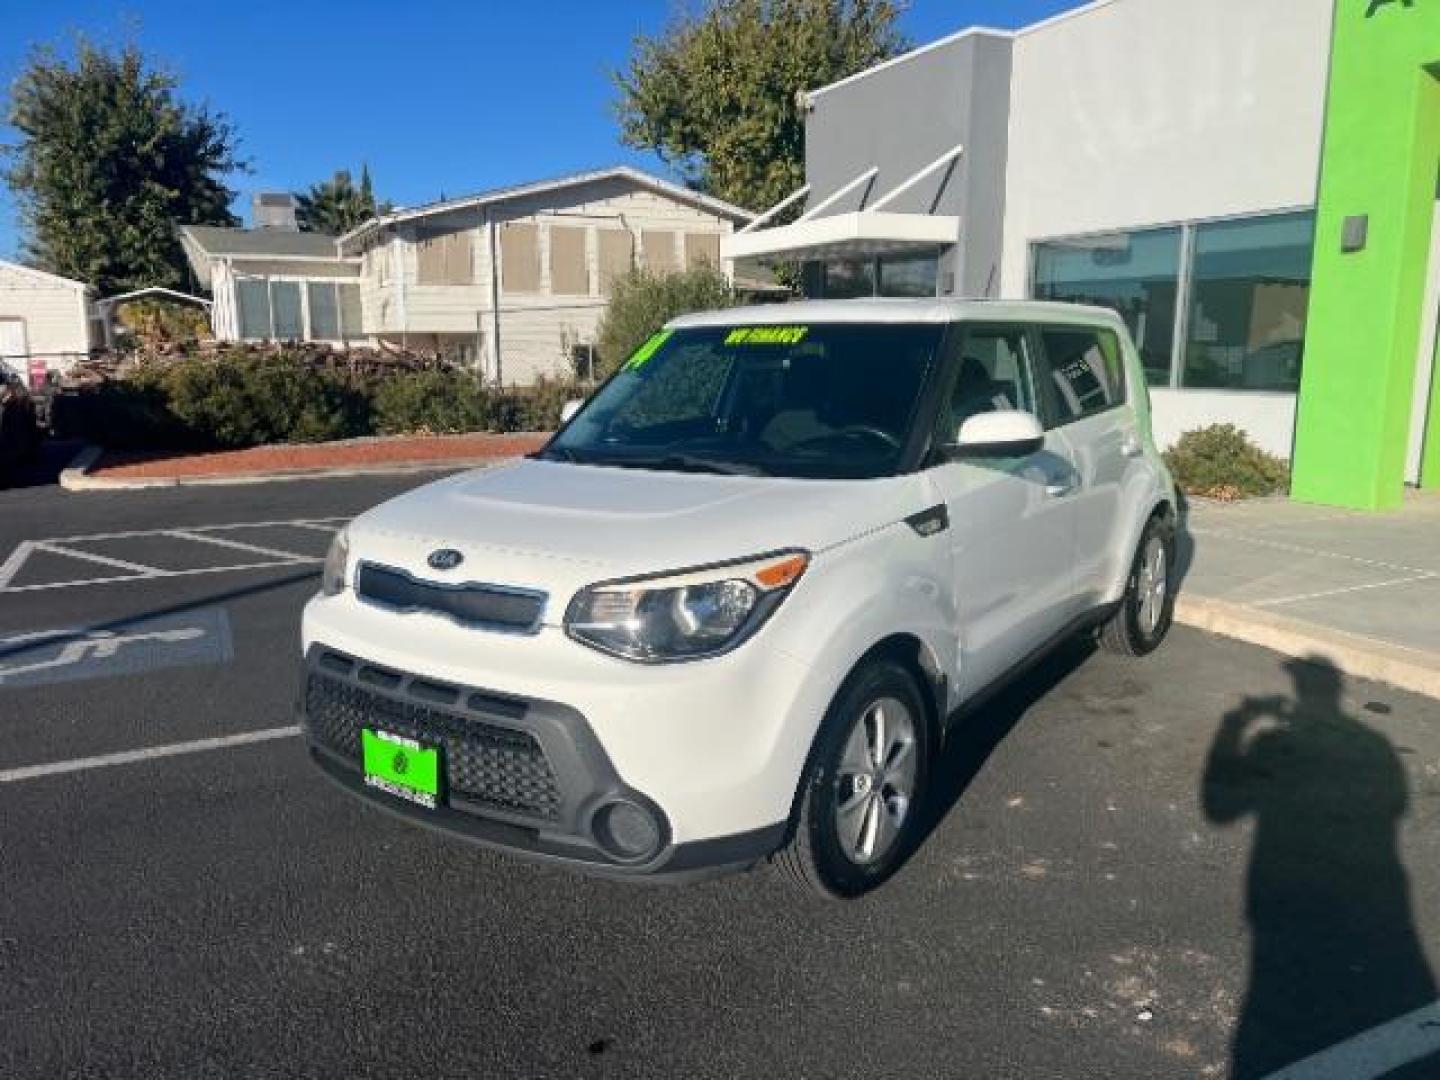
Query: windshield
(828, 401)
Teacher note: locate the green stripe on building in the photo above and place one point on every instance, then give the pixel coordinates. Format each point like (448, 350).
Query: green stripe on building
(1380, 164)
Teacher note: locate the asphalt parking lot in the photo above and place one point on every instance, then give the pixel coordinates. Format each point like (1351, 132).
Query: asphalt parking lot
(1208, 863)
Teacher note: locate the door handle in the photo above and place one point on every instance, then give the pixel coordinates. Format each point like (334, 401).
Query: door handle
(1131, 447)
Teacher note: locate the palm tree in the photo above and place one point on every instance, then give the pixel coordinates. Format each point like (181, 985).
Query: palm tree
(336, 205)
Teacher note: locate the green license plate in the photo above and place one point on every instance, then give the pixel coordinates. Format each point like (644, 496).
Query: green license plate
(401, 767)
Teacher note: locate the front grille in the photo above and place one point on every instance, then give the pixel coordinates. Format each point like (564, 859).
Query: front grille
(485, 763)
(494, 607)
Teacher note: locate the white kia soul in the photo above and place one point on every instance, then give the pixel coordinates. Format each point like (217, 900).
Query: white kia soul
(727, 612)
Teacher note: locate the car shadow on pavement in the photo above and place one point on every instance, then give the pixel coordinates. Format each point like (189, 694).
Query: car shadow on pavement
(1334, 950)
(976, 731)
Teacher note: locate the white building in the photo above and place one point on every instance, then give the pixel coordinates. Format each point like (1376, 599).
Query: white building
(1156, 156)
(514, 280)
(45, 320)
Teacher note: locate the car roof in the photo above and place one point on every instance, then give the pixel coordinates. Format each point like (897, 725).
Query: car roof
(887, 310)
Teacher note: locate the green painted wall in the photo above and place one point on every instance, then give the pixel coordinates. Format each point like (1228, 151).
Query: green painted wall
(1381, 158)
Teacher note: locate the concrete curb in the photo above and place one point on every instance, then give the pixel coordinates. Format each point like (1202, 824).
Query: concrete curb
(77, 472)
(1363, 658)
(77, 477)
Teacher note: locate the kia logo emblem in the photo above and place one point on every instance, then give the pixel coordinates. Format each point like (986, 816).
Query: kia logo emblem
(445, 559)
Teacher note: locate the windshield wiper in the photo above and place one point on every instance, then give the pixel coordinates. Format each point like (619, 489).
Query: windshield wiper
(683, 463)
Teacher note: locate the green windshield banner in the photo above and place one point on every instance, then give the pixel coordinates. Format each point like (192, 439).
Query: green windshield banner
(646, 351)
(767, 335)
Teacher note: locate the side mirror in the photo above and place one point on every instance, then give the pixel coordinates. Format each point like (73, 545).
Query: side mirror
(1008, 433)
(569, 409)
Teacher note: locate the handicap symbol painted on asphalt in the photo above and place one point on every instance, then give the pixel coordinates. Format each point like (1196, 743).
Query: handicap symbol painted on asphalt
(128, 648)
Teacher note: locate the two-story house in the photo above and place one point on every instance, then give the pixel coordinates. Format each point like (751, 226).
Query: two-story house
(514, 280)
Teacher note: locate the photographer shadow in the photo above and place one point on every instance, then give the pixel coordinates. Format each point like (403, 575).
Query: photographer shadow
(1334, 949)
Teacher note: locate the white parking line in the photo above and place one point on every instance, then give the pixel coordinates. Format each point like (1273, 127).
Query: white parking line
(90, 556)
(129, 757)
(234, 545)
(157, 575)
(206, 535)
(1373, 1054)
(11, 566)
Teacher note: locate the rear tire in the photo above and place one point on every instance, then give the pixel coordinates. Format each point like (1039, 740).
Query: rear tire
(1147, 607)
(864, 788)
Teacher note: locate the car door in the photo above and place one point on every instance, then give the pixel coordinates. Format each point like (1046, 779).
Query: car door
(1084, 392)
(1011, 521)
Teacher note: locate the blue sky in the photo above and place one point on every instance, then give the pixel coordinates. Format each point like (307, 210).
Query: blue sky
(438, 97)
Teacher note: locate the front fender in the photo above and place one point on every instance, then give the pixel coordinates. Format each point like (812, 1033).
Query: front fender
(890, 582)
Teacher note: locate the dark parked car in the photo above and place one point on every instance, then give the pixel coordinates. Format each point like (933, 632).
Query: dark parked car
(19, 429)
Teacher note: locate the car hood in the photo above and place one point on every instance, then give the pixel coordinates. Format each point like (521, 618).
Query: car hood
(557, 527)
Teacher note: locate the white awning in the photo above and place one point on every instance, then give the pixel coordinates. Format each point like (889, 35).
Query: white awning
(859, 234)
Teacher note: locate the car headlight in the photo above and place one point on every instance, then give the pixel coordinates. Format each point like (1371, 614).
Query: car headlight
(332, 574)
(686, 615)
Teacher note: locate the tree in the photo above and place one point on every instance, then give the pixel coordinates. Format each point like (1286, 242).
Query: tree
(717, 95)
(109, 161)
(642, 302)
(336, 206)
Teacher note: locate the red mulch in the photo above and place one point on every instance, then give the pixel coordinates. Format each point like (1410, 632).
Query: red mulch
(354, 453)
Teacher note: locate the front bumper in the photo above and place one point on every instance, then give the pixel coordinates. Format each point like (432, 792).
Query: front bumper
(522, 774)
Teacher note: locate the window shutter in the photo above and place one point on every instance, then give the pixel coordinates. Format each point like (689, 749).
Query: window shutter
(569, 276)
(519, 257)
(617, 256)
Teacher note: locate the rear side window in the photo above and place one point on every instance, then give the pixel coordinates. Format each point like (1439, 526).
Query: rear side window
(1084, 372)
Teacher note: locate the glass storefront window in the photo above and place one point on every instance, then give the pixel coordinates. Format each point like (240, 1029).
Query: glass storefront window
(912, 275)
(1248, 300)
(846, 280)
(1137, 274)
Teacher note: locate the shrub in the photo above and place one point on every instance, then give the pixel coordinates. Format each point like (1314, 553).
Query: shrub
(1220, 462)
(438, 402)
(535, 408)
(236, 402)
(123, 414)
(642, 302)
(155, 322)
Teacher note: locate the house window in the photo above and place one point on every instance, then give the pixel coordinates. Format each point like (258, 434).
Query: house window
(520, 257)
(350, 319)
(569, 275)
(1137, 274)
(285, 309)
(657, 251)
(252, 297)
(702, 248)
(616, 249)
(443, 258)
(324, 315)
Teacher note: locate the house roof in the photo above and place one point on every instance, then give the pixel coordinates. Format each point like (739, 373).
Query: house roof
(218, 241)
(44, 276)
(539, 187)
(156, 291)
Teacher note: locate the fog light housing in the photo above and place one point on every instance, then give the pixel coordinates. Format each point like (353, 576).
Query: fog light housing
(628, 832)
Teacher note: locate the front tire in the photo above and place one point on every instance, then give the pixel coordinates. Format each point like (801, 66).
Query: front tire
(1147, 607)
(863, 791)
